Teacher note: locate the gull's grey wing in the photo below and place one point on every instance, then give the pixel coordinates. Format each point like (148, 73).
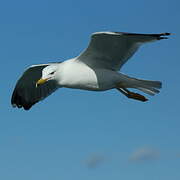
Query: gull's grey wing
(26, 94)
(111, 50)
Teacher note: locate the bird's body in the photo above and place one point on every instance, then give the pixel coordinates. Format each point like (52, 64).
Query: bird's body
(77, 75)
(96, 69)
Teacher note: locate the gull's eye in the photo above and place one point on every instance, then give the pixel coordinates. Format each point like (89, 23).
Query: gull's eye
(52, 73)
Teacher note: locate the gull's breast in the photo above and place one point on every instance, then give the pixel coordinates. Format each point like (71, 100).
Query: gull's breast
(80, 76)
(77, 75)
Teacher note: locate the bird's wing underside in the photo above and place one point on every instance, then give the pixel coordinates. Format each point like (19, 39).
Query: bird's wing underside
(111, 50)
(26, 94)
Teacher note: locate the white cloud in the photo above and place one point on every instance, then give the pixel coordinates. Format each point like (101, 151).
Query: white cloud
(95, 160)
(144, 154)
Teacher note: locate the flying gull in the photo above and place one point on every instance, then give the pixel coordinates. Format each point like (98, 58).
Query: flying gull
(95, 69)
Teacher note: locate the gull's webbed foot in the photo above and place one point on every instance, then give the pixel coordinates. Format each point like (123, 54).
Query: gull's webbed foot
(137, 96)
(132, 95)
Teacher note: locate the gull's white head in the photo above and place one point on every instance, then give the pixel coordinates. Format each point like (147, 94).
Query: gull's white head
(48, 73)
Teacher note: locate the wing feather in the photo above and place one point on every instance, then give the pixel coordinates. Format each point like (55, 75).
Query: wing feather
(26, 94)
(111, 50)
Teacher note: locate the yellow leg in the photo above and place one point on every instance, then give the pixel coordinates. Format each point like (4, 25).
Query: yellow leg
(132, 95)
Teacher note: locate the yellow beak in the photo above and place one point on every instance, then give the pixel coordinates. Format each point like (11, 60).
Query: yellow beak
(41, 81)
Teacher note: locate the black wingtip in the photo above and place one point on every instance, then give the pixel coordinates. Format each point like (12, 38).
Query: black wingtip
(19, 102)
(166, 34)
(163, 35)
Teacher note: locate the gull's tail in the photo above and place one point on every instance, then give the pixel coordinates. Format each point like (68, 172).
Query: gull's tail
(147, 86)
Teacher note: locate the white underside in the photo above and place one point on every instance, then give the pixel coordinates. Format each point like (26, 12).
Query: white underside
(75, 74)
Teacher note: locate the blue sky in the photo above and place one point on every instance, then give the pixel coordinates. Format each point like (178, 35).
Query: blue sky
(76, 134)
